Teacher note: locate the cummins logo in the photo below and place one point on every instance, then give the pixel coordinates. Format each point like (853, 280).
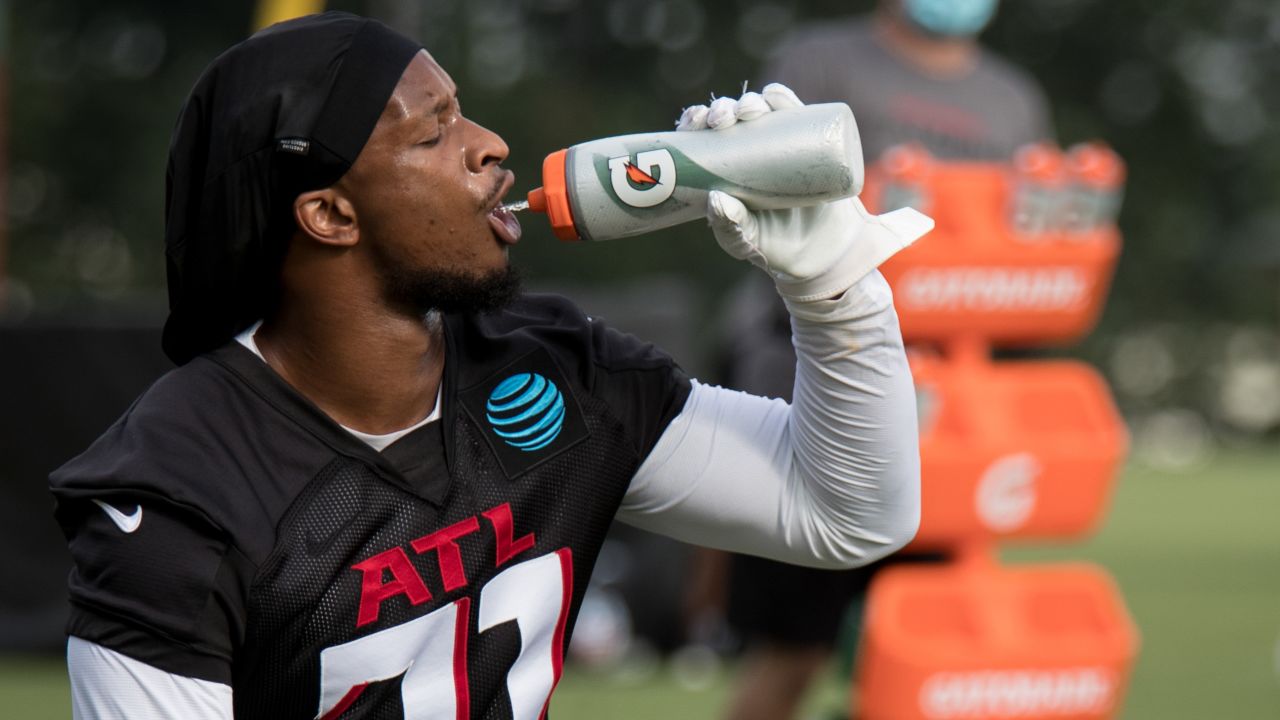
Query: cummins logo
(1017, 693)
(993, 289)
(526, 410)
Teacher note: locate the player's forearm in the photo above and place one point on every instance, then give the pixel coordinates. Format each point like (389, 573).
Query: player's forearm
(830, 482)
(854, 435)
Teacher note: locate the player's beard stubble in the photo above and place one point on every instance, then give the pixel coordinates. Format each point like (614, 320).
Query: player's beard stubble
(421, 290)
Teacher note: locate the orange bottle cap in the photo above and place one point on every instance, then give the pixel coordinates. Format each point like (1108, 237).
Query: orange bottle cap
(553, 197)
(1096, 164)
(906, 163)
(1042, 162)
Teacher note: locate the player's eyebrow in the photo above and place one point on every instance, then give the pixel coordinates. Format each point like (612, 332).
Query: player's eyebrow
(422, 115)
(418, 111)
(441, 104)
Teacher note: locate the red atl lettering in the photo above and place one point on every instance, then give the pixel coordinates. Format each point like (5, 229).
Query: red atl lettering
(502, 530)
(405, 581)
(444, 542)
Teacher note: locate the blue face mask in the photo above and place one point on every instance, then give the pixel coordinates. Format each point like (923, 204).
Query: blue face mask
(951, 18)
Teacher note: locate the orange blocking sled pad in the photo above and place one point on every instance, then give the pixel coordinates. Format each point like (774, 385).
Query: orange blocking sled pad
(1014, 449)
(975, 640)
(978, 274)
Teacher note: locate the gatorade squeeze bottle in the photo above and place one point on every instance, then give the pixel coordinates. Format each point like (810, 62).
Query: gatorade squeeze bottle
(906, 171)
(633, 184)
(1097, 185)
(1039, 190)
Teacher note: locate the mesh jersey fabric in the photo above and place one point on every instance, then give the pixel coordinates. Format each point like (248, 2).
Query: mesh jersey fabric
(270, 535)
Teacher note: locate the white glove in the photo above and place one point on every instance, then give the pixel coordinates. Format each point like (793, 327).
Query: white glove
(811, 253)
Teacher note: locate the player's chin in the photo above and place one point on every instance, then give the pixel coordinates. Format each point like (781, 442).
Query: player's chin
(495, 258)
(491, 262)
(494, 288)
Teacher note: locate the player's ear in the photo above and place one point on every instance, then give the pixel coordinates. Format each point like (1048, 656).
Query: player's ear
(327, 217)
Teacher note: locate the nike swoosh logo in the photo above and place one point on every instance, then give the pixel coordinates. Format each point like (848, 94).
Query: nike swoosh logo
(126, 523)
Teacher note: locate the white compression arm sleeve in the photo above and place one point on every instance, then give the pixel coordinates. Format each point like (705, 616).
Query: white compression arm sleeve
(106, 685)
(832, 480)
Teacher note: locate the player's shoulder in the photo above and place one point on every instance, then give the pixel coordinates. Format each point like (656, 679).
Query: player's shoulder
(531, 314)
(533, 321)
(189, 397)
(161, 521)
(189, 438)
(166, 419)
(580, 343)
(634, 382)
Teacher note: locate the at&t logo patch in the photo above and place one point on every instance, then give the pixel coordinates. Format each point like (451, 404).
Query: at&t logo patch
(526, 410)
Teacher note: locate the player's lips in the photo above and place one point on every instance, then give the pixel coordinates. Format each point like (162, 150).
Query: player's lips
(503, 221)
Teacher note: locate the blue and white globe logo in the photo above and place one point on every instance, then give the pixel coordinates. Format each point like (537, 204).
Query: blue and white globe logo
(526, 410)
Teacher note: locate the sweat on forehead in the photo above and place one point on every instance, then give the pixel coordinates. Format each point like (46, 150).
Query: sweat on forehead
(424, 89)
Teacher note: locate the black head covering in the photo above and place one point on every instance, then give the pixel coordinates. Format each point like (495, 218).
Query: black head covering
(283, 112)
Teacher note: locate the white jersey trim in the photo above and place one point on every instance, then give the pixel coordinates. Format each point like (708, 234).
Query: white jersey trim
(106, 685)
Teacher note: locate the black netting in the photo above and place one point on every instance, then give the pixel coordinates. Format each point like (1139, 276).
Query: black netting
(307, 595)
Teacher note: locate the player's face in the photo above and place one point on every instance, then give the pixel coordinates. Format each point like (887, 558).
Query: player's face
(425, 190)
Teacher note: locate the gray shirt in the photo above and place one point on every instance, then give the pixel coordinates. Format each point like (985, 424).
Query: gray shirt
(984, 114)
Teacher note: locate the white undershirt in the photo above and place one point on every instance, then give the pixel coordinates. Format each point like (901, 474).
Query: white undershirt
(831, 480)
(377, 442)
(107, 684)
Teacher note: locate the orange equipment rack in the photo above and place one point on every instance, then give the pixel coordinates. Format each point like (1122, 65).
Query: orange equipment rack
(1013, 449)
(974, 275)
(974, 641)
(1023, 449)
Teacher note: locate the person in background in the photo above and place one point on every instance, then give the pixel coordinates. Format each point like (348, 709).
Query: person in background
(913, 71)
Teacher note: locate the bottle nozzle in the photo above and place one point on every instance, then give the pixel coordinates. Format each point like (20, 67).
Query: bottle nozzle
(537, 200)
(553, 197)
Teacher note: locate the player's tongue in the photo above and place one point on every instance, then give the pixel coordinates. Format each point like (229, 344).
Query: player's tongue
(505, 225)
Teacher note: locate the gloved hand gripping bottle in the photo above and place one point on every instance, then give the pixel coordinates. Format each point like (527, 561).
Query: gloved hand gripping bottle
(632, 184)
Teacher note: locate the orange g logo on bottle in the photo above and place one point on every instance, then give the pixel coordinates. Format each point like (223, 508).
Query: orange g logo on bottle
(646, 181)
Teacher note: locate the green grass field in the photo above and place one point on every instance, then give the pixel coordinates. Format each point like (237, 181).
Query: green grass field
(1197, 555)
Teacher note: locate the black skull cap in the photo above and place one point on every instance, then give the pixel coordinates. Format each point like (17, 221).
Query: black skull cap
(285, 111)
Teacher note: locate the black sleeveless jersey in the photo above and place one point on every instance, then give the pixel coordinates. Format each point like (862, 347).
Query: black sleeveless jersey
(226, 529)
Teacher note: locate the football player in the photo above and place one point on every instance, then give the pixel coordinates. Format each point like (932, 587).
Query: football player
(378, 480)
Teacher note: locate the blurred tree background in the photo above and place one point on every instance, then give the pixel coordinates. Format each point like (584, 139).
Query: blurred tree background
(1181, 88)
